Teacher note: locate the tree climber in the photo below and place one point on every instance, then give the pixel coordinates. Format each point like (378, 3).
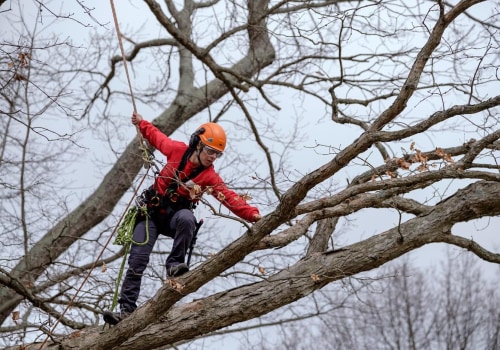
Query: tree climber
(188, 174)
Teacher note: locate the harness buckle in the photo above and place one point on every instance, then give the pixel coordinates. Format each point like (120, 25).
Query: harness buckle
(173, 197)
(154, 201)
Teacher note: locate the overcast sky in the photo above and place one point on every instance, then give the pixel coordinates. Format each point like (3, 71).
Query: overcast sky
(485, 231)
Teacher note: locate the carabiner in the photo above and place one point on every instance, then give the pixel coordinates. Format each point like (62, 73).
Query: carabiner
(154, 201)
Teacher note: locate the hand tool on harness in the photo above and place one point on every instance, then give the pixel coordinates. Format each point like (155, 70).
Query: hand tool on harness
(193, 241)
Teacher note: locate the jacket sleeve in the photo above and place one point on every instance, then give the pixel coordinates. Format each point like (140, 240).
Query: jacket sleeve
(233, 201)
(158, 139)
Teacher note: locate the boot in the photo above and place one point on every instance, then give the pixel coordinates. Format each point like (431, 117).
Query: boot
(177, 270)
(113, 318)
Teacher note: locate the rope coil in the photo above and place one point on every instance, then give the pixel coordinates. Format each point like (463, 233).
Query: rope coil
(125, 238)
(125, 232)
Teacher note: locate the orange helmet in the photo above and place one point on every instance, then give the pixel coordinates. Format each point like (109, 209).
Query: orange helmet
(211, 135)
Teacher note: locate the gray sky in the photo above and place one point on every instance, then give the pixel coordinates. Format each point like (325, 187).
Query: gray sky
(321, 131)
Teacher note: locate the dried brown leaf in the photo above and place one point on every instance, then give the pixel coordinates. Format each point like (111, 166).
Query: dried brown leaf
(443, 155)
(402, 163)
(195, 191)
(246, 196)
(422, 167)
(24, 58)
(19, 77)
(391, 174)
(174, 284)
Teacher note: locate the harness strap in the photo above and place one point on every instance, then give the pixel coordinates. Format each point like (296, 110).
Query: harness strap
(176, 181)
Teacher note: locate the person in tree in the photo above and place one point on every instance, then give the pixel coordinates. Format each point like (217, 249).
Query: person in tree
(188, 174)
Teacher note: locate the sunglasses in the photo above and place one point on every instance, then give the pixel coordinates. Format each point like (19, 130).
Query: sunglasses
(212, 152)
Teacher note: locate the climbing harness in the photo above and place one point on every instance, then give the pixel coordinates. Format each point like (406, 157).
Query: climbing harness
(146, 203)
(177, 181)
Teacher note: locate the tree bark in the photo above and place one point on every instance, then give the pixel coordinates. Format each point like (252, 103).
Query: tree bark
(157, 323)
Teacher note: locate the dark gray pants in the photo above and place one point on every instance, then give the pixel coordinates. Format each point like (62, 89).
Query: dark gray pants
(181, 229)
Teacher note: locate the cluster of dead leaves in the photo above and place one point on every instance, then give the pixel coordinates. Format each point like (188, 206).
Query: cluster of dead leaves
(24, 58)
(23, 61)
(195, 192)
(444, 156)
(419, 158)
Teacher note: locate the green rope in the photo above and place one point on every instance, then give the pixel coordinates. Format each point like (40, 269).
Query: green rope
(126, 229)
(119, 278)
(124, 237)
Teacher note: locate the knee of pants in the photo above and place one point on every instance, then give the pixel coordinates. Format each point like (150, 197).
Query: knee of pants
(138, 263)
(183, 220)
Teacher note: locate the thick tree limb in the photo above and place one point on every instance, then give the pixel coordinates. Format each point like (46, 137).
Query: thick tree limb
(307, 275)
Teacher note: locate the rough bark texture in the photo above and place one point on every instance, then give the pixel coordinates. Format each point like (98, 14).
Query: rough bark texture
(158, 323)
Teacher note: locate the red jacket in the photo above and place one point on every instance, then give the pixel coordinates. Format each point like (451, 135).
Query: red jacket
(208, 181)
